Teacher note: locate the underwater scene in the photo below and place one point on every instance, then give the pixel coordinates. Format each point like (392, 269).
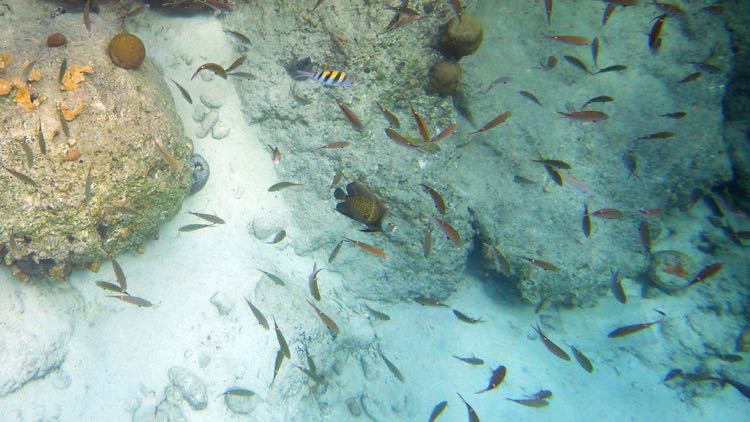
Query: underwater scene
(353, 210)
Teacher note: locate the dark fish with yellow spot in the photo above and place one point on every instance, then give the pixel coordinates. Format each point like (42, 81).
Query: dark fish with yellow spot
(312, 281)
(278, 238)
(498, 375)
(541, 264)
(282, 185)
(282, 341)
(391, 367)
(183, 91)
(552, 347)
(133, 300)
(437, 410)
(582, 360)
(360, 204)
(213, 67)
(390, 117)
(436, 198)
(208, 217)
(327, 77)
(470, 410)
(470, 360)
(630, 329)
(258, 315)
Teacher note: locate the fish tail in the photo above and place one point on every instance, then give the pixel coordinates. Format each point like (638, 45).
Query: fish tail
(301, 73)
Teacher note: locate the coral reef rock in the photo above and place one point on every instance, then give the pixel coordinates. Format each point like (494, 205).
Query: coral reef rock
(82, 173)
(127, 51)
(462, 36)
(445, 78)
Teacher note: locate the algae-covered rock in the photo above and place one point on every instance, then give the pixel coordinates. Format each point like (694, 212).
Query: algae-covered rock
(462, 36)
(445, 78)
(126, 50)
(97, 185)
(671, 270)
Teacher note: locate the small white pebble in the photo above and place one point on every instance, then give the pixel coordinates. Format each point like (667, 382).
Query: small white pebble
(220, 130)
(222, 303)
(211, 101)
(199, 113)
(207, 124)
(207, 75)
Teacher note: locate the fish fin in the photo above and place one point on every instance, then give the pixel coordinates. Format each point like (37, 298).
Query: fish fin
(348, 210)
(339, 194)
(357, 188)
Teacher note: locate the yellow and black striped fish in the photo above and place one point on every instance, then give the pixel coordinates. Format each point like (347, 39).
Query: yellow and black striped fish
(327, 77)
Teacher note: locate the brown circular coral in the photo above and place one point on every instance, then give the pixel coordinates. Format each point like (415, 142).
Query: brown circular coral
(462, 36)
(126, 50)
(56, 40)
(445, 78)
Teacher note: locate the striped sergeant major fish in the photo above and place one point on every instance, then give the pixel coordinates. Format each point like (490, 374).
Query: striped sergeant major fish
(327, 77)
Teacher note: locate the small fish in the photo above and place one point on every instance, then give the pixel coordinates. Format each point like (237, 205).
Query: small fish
(276, 279)
(133, 300)
(498, 375)
(22, 177)
(541, 264)
(237, 63)
(657, 135)
(166, 155)
(470, 410)
(613, 68)
(690, 78)
(427, 240)
(595, 51)
(337, 144)
(713, 206)
(548, 10)
(424, 301)
(278, 238)
(586, 221)
(501, 262)
(470, 360)
(391, 367)
(444, 133)
(87, 15)
(552, 347)
(549, 65)
(569, 39)
(675, 115)
(449, 231)
(134, 12)
(554, 163)
(213, 67)
(729, 357)
(436, 198)
(281, 340)
(317, 3)
(644, 233)
(326, 320)
(609, 213)
(502, 117)
(599, 99)
(275, 154)
(282, 185)
(355, 121)
(377, 314)
(368, 248)
(585, 115)
(208, 217)
(399, 138)
(40, 138)
(672, 374)
(109, 286)
(530, 96)
(27, 152)
(630, 329)
(499, 81)
(654, 37)
(327, 77)
(119, 275)
(670, 9)
(582, 359)
(522, 180)
(542, 394)
(390, 117)
(335, 251)
(63, 69)
(312, 281)
(575, 61)
(706, 272)
(277, 364)
(465, 318)
(608, 11)
(194, 227)
(615, 284)
(258, 315)
(242, 75)
(437, 410)
(237, 392)
(631, 164)
(553, 174)
(424, 131)
(457, 8)
(531, 402)
(240, 36)
(183, 91)
(63, 124)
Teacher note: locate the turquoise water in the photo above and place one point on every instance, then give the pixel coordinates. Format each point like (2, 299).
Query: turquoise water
(587, 262)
